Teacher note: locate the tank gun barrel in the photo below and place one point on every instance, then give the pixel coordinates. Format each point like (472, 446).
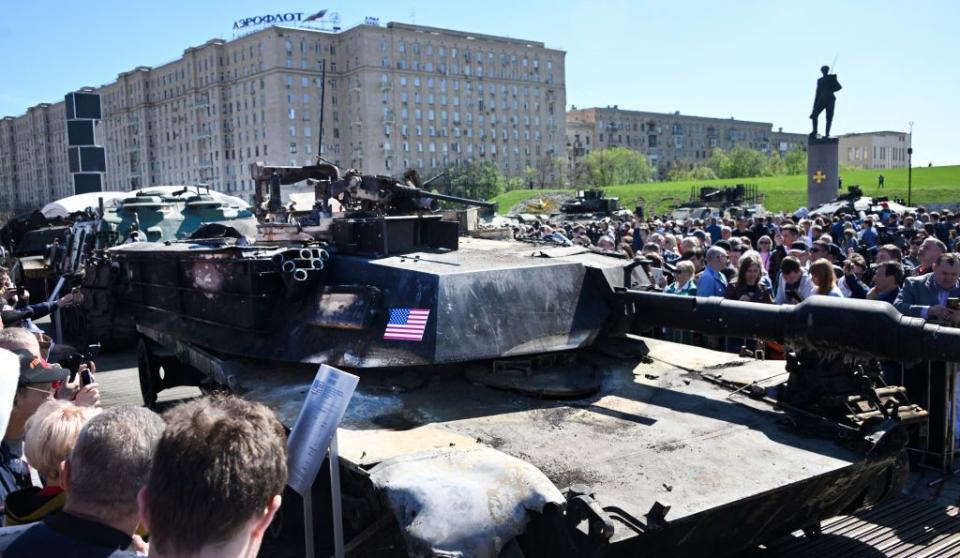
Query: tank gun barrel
(822, 324)
(407, 191)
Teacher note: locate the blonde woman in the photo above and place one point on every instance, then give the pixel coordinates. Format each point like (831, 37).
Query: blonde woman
(50, 436)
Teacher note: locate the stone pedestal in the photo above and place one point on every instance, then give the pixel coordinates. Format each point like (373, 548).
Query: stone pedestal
(823, 170)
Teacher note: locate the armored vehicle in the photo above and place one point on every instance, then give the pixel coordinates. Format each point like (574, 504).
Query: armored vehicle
(590, 201)
(506, 403)
(155, 214)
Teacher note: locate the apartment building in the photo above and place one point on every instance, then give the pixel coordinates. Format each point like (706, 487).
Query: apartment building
(875, 150)
(670, 140)
(394, 97)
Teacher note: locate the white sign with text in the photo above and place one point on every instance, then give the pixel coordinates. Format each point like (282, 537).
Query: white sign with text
(316, 425)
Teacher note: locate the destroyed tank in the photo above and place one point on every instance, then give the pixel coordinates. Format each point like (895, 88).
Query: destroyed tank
(506, 404)
(156, 214)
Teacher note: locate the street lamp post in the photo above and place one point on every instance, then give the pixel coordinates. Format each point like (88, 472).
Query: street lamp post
(910, 168)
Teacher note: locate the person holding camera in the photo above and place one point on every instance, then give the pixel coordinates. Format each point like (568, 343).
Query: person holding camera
(795, 284)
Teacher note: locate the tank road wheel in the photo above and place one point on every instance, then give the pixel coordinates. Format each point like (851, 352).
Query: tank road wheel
(148, 368)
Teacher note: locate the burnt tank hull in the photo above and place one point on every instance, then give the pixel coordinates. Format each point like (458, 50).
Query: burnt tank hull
(486, 300)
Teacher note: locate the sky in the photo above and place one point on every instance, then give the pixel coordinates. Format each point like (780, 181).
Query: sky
(753, 60)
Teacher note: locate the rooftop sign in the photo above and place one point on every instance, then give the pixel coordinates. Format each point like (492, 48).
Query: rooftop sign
(268, 19)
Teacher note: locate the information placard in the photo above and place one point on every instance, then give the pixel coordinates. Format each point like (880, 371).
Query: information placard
(319, 418)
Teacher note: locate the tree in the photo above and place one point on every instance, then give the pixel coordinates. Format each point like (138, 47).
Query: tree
(697, 172)
(796, 161)
(475, 180)
(616, 165)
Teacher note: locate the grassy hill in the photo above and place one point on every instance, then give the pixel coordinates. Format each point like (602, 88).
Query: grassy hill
(781, 193)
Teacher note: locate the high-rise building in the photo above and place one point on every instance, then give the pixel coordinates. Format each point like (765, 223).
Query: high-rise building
(875, 150)
(397, 96)
(670, 140)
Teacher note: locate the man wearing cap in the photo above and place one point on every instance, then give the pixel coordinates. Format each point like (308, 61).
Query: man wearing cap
(35, 387)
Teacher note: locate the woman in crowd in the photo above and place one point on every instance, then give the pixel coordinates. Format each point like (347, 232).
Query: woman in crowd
(765, 248)
(684, 284)
(749, 285)
(50, 436)
(824, 278)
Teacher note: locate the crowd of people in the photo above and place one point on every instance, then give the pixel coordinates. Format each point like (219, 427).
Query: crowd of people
(906, 259)
(203, 479)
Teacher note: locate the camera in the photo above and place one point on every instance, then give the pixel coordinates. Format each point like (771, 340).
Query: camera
(74, 361)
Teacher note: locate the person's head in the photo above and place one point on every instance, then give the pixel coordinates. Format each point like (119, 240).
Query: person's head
(750, 269)
(109, 465)
(34, 388)
(19, 339)
(689, 243)
(946, 270)
(868, 223)
(651, 248)
(765, 243)
(726, 232)
(685, 272)
(695, 257)
(930, 250)
(824, 70)
(857, 264)
(216, 479)
(51, 434)
(606, 243)
(717, 258)
(889, 276)
(819, 250)
(736, 248)
(823, 276)
(889, 253)
(791, 270)
(790, 234)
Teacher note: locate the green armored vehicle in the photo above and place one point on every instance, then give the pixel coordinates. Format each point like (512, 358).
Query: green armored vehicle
(156, 214)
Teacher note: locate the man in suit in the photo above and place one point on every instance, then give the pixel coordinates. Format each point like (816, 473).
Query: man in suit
(824, 99)
(926, 296)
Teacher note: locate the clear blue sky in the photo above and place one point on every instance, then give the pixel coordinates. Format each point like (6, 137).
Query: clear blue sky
(897, 61)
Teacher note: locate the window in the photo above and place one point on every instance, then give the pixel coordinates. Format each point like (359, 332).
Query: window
(292, 113)
(306, 131)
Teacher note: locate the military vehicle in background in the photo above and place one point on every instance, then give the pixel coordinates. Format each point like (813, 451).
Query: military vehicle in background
(730, 202)
(505, 403)
(591, 202)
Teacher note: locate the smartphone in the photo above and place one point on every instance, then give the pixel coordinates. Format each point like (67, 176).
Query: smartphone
(86, 378)
(953, 303)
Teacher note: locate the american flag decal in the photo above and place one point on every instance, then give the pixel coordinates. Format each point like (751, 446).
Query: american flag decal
(406, 324)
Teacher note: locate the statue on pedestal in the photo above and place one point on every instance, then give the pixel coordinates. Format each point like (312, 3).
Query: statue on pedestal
(824, 99)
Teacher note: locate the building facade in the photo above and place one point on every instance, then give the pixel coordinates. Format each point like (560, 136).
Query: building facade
(875, 150)
(395, 97)
(670, 140)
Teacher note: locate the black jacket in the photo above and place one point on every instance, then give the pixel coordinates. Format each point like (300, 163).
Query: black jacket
(65, 536)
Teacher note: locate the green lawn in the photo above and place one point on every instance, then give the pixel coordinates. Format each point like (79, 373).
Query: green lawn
(781, 193)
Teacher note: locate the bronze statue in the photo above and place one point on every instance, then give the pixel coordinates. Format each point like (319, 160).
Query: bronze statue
(824, 99)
